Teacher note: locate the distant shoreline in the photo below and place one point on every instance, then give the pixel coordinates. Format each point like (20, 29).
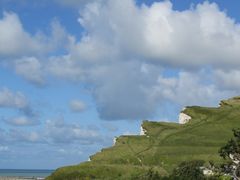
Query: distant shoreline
(20, 178)
(24, 174)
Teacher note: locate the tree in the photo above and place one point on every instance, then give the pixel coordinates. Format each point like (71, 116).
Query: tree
(231, 152)
(190, 170)
(149, 175)
(152, 175)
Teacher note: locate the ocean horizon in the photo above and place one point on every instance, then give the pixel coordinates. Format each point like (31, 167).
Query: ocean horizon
(42, 173)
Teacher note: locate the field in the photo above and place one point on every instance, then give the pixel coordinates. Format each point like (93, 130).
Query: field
(164, 146)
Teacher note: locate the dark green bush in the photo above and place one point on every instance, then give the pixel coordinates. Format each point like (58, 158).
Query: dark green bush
(189, 170)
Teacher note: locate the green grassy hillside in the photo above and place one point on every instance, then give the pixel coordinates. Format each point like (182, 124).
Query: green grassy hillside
(163, 147)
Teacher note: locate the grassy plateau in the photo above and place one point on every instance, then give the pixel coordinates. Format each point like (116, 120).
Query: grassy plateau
(163, 146)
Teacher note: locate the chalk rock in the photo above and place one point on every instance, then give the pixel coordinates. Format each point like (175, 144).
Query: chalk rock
(183, 118)
(142, 131)
(114, 140)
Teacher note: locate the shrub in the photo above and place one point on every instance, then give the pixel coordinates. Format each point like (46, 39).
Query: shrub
(231, 152)
(189, 170)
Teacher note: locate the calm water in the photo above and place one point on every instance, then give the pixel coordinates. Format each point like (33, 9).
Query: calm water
(25, 172)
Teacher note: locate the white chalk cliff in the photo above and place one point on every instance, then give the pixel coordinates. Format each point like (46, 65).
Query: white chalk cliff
(142, 131)
(183, 118)
(114, 140)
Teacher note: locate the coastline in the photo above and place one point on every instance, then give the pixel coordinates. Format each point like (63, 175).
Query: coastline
(24, 174)
(20, 178)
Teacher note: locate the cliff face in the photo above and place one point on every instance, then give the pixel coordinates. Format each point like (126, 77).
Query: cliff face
(142, 131)
(163, 145)
(184, 118)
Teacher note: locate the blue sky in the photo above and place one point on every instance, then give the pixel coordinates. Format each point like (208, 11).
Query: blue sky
(75, 74)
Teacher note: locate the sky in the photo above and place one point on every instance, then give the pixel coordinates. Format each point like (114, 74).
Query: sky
(74, 74)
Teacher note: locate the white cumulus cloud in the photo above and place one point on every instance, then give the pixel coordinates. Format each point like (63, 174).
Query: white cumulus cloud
(193, 37)
(124, 58)
(16, 42)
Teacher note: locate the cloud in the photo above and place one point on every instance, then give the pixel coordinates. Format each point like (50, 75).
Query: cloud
(13, 36)
(9, 99)
(61, 132)
(53, 132)
(121, 92)
(31, 69)
(77, 106)
(73, 3)
(22, 121)
(133, 67)
(20, 136)
(160, 34)
(27, 116)
(190, 89)
(124, 59)
(228, 79)
(64, 67)
(4, 148)
(26, 52)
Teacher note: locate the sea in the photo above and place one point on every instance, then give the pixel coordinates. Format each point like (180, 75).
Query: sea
(26, 173)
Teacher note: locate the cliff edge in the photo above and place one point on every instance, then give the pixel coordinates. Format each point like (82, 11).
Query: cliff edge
(200, 133)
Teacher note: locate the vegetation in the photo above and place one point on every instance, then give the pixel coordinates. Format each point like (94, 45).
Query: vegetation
(164, 147)
(231, 152)
(189, 170)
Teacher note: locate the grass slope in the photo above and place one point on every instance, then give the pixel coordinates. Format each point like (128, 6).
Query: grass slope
(163, 147)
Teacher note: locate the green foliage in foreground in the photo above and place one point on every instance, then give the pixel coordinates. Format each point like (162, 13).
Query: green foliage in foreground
(189, 170)
(164, 146)
(231, 152)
